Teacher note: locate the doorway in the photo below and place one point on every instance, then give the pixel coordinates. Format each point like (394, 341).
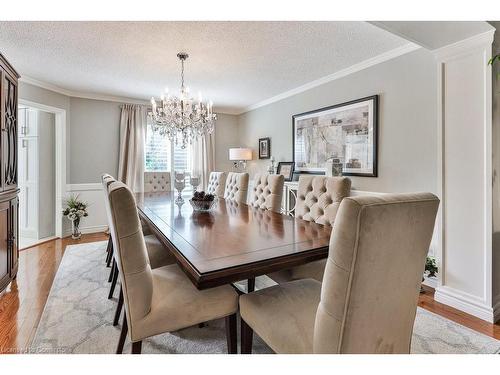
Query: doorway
(36, 176)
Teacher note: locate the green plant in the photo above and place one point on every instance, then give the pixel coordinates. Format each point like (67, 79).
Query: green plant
(494, 59)
(431, 267)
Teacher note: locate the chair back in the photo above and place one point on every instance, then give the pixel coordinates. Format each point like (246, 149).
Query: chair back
(236, 187)
(319, 197)
(267, 192)
(157, 181)
(216, 184)
(372, 277)
(130, 253)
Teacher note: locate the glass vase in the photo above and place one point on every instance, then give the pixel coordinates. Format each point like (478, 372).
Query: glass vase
(75, 229)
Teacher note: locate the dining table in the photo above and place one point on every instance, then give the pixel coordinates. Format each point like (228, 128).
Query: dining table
(233, 241)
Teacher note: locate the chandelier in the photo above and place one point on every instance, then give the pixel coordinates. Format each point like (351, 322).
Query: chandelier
(181, 118)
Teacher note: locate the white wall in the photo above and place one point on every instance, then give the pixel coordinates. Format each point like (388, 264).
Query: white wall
(407, 118)
(95, 129)
(226, 136)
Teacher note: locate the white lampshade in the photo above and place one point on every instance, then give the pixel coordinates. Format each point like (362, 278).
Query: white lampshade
(237, 154)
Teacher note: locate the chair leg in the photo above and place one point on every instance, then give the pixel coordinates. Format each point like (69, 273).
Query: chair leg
(118, 308)
(110, 257)
(111, 271)
(246, 337)
(136, 347)
(113, 283)
(109, 251)
(123, 335)
(251, 285)
(231, 334)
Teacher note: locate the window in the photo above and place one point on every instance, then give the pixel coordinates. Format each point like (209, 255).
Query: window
(162, 155)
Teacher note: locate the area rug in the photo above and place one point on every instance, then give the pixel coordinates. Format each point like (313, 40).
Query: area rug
(78, 319)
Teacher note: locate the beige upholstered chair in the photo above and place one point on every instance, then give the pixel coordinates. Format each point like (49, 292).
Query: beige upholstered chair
(158, 254)
(216, 184)
(318, 200)
(163, 299)
(377, 242)
(267, 192)
(236, 187)
(157, 181)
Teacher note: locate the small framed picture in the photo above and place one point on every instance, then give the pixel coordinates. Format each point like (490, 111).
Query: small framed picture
(286, 168)
(264, 148)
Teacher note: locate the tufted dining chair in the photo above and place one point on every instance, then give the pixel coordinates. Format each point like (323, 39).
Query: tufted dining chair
(236, 187)
(216, 184)
(159, 300)
(378, 241)
(267, 192)
(318, 200)
(157, 181)
(158, 254)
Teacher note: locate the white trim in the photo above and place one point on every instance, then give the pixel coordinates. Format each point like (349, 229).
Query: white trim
(458, 49)
(80, 94)
(430, 281)
(87, 230)
(403, 50)
(60, 151)
(464, 302)
(84, 187)
(480, 306)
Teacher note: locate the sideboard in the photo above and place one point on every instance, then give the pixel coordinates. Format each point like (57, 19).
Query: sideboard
(9, 201)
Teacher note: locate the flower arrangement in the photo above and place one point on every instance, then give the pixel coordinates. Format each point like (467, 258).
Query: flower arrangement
(75, 210)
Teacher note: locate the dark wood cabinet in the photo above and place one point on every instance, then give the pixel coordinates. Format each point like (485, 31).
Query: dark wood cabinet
(9, 201)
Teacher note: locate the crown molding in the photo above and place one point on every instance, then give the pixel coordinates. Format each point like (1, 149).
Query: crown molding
(79, 94)
(389, 55)
(464, 46)
(109, 98)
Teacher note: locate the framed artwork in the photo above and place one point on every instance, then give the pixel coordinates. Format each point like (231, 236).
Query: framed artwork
(286, 169)
(343, 133)
(264, 148)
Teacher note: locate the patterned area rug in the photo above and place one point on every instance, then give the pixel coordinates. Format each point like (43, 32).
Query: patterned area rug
(78, 319)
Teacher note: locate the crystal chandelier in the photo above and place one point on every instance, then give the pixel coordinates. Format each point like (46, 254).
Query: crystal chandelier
(182, 118)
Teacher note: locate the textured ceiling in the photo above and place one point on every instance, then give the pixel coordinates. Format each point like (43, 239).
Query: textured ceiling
(235, 64)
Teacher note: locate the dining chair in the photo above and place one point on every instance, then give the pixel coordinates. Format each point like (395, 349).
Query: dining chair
(157, 181)
(159, 300)
(368, 299)
(267, 192)
(216, 183)
(158, 254)
(318, 200)
(236, 187)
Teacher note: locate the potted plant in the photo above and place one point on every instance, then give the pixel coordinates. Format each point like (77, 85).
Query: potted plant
(431, 270)
(75, 210)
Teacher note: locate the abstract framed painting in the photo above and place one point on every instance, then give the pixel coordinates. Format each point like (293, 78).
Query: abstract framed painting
(345, 133)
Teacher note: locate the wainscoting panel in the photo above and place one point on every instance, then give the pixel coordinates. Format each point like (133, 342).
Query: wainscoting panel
(92, 194)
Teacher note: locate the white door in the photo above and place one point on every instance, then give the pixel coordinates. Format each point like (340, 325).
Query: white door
(28, 175)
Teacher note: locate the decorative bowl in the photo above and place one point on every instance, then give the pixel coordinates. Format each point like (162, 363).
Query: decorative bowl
(202, 206)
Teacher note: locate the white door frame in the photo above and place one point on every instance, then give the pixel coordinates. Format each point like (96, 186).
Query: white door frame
(60, 144)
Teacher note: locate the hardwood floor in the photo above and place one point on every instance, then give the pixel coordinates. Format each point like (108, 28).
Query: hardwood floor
(21, 306)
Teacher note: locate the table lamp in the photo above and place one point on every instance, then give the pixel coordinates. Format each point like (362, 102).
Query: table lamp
(240, 156)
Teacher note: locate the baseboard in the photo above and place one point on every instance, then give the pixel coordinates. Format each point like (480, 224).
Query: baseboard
(88, 230)
(465, 302)
(430, 282)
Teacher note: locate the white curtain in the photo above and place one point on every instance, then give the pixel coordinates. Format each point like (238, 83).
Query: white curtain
(203, 158)
(132, 139)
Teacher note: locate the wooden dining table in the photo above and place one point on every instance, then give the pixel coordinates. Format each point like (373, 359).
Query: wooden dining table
(234, 241)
